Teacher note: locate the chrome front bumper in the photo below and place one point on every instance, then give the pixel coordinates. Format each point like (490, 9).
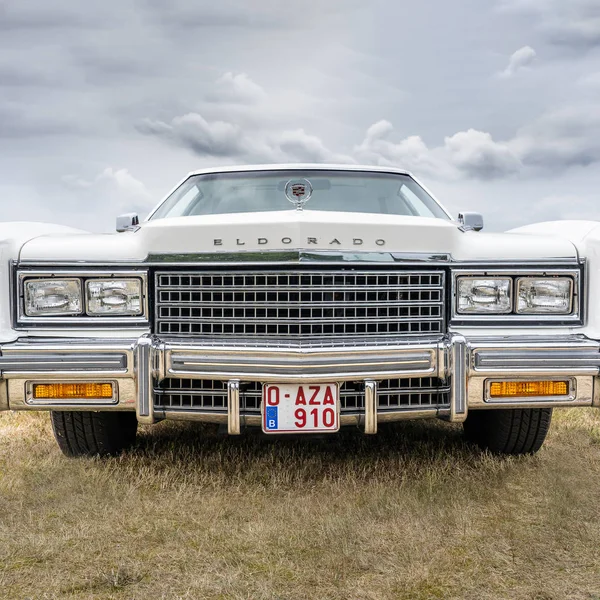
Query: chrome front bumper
(136, 366)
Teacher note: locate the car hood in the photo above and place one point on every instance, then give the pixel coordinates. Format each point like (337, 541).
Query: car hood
(294, 230)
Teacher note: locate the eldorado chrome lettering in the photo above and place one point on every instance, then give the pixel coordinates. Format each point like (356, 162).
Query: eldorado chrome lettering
(261, 241)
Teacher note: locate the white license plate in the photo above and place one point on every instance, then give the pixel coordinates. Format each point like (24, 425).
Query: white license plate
(300, 408)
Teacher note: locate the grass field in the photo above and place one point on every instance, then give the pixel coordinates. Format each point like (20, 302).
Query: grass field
(411, 513)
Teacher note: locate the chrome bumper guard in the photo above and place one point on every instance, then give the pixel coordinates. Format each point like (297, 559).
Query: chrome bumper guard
(135, 366)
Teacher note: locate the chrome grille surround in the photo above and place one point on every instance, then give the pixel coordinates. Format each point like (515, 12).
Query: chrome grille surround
(286, 304)
(210, 396)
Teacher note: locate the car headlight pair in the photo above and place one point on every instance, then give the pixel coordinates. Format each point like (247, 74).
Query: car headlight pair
(75, 296)
(531, 295)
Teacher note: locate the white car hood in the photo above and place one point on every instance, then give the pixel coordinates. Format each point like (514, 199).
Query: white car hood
(295, 230)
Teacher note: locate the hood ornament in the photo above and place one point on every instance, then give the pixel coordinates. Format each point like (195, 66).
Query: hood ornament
(298, 192)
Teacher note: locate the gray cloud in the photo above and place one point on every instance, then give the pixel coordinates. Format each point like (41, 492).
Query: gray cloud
(466, 154)
(193, 131)
(227, 140)
(560, 139)
(237, 89)
(116, 188)
(518, 61)
(298, 146)
(573, 24)
(260, 14)
(475, 154)
(18, 123)
(17, 15)
(552, 143)
(12, 76)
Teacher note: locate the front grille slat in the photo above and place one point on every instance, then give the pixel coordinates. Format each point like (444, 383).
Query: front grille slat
(211, 396)
(299, 304)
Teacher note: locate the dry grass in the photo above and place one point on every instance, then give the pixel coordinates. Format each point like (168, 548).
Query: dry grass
(412, 513)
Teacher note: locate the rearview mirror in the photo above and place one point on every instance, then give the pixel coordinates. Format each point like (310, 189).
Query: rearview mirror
(127, 222)
(471, 221)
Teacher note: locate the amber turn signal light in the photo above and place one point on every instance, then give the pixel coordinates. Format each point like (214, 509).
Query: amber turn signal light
(525, 389)
(66, 391)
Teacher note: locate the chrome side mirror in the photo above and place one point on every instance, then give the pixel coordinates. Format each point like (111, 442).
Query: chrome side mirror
(127, 222)
(471, 221)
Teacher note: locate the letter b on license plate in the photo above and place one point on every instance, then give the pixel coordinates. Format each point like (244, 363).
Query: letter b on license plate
(300, 408)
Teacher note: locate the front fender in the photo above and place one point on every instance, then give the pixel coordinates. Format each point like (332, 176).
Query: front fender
(12, 237)
(585, 236)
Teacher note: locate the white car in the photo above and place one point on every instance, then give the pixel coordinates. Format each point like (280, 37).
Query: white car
(299, 298)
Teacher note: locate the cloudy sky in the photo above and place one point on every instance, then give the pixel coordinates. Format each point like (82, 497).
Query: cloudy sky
(106, 105)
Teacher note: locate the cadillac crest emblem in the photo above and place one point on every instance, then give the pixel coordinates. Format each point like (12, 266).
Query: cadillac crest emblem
(298, 192)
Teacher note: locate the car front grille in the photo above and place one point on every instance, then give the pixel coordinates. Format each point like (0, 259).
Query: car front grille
(285, 304)
(210, 396)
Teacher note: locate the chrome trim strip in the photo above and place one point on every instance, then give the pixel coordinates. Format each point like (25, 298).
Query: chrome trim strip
(284, 256)
(297, 365)
(345, 419)
(576, 356)
(370, 407)
(522, 359)
(459, 369)
(23, 363)
(58, 357)
(314, 257)
(144, 381)
(233, 407)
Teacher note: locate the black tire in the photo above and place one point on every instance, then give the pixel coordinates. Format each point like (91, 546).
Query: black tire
(508, 431)
(89, 433)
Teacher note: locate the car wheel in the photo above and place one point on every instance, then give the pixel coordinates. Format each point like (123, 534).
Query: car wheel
(89, 433)
(508, 431)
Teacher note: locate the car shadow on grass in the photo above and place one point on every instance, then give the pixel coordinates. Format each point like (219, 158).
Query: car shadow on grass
(415, 449)
(409, 437)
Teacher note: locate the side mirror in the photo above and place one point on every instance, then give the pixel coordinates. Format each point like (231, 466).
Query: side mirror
(127, 222)
(471, 221)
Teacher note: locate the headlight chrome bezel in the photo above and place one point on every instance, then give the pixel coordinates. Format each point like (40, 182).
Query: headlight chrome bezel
(58, 320)
(514, 318)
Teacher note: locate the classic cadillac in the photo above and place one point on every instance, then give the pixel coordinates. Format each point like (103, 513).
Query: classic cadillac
(299, 298)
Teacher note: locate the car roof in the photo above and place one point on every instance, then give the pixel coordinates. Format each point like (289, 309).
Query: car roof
(300, 167)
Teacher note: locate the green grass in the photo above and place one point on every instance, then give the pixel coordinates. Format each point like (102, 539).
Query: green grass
(411, 513)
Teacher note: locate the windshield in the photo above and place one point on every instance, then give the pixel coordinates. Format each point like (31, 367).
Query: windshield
(260, 191)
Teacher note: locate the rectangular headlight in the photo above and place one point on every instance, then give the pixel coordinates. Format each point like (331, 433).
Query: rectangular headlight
(548, 295)
(114, 297)
(52, 297)
(484, 295)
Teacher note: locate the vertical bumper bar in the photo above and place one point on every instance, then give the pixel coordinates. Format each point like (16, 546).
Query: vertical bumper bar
(144, 404)
(458, 370)
(370, 407)
(233, 407)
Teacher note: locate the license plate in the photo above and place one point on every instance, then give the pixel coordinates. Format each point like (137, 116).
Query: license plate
(300, 408)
